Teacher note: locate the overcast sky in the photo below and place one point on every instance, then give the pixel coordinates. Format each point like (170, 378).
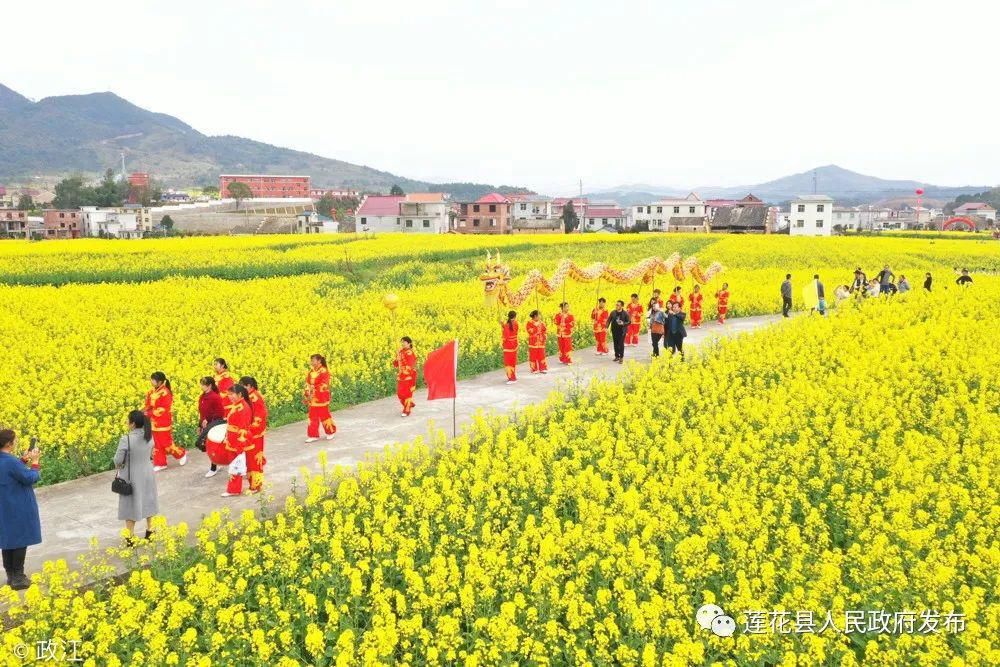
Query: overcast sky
(529, 92)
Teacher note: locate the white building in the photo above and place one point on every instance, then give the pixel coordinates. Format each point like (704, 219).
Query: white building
(313, 222)
(532, 207)
(980, 209)
(847, 218)
(418, 212)
(130, 222)
(424, 213)
(811, 215)
(671, 214)
(598, 216)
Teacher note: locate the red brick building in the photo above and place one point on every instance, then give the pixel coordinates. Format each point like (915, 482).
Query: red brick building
(267, 186)
(490, 214)
(61, 223)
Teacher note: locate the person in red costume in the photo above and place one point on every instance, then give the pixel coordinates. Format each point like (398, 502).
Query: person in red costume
(210, 408)
(635, 312)
(508, 332)
(723, 302)
(599, 316)
(565, 323)
(239, 442)
(695, 308)
(159, 410)
(405, 364)
(537, 337)
(258, 427)
(317, 397)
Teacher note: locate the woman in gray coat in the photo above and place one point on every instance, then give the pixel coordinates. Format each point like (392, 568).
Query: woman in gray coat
(134, 462)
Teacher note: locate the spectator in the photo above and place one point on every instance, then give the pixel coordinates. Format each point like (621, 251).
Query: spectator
(19, 524)
(904, 285)
(820, 295)
(618, 322)
(675, 330)
(885, 277)
(965, 279)
(860, 281)
(927, 282)
(874, 289)
(786, 295)
(657, 325)
(134, 462)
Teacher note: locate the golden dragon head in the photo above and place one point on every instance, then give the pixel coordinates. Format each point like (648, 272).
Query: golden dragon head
(495, 277)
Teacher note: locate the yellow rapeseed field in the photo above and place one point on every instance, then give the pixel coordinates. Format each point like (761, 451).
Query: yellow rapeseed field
(826, 465)
(88, 321)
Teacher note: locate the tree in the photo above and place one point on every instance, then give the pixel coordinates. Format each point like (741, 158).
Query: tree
(326, 206)
(72, 193)
(25, 203)
(569, 217)
(167, 223)
(239, 192)
(397, 191)
(210, 191)
(110, 191)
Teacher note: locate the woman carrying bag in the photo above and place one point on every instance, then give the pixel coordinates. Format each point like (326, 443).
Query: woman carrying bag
(135, 482)
(657, 325)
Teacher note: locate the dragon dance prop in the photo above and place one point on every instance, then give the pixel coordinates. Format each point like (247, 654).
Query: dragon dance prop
(496, 276)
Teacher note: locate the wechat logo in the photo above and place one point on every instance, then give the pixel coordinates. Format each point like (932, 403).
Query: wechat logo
(712, 617)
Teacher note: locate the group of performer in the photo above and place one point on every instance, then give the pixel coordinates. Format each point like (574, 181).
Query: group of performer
(623, 321)
(233, 422)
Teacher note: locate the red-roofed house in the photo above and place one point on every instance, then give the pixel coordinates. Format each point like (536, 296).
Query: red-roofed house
(978, 208)
(599, 216)
(490, 214)
(379, 213)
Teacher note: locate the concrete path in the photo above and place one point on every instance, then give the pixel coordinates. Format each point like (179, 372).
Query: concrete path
(74, 512)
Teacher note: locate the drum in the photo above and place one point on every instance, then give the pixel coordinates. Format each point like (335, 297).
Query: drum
(200, 442)
(215, 446)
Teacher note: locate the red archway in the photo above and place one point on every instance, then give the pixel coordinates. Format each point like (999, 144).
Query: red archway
(968, 224)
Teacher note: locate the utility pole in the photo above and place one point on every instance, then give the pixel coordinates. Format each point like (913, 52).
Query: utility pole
(814, 181)
(581, 188)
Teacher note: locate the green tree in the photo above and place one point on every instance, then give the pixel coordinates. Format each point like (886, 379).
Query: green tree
(396, 191)
(326, 206)
(25, 203)
(167, 223)
(71, 192)
(569, 217)
(239, 192)
(210, 191)
(110, 191)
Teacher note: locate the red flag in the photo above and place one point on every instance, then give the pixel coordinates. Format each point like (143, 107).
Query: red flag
(441, 371)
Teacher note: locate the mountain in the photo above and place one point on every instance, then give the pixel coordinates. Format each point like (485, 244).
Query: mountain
(841, 184)
(88, 133)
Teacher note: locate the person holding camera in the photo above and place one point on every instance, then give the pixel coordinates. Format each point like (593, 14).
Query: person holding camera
(133, 459)
(20, 526)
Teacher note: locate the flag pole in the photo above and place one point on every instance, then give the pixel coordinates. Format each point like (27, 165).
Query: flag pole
(454, 399)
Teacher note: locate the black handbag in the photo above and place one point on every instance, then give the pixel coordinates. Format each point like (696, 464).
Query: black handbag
(121, 486)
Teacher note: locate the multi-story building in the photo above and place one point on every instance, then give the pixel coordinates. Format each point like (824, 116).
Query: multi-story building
(532, 207)
(978, 208)
(811, 215)
(425, 212)
(683, 214)
(61, 223)
(341, 193)
(127, 222)
(264, 186)
(846, 218)
(13, 224)
(490, 214)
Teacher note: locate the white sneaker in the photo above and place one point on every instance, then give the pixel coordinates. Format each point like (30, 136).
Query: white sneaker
(211, 473)
(159, 468)
(403, 414)
(226, 494)
(330, 437)
(182, 461)
(511, 381)
(545, 371)
(308, 440)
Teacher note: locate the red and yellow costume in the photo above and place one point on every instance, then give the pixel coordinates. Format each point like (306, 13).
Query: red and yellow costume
(635, 312)
(258, 427)
(239, 440)
(405, 364)
(318, 386)
(159, 403)
(224, 381)
(599, 316)
(675, 298)
(695, 308)
(565, 322)
(723, 304)
(536, 346)
(508, 331)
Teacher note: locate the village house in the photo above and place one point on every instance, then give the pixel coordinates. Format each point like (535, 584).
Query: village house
(14, 224)
(425, 212)
(599, 216)
(489, 214)
(687, 214)
(61, 224)
(979, 209)
(379, 213)
(811, 215)
(314, 222)
(532, 207)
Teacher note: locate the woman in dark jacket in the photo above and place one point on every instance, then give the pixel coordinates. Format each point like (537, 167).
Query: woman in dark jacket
(675, 330)
(210, 409)
(19, 524)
